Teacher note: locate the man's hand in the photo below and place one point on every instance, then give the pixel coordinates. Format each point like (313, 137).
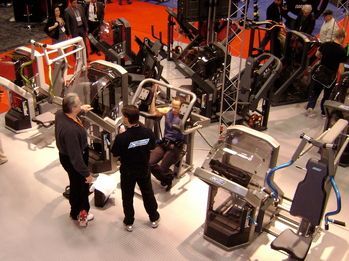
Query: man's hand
(86, 107)
(89, 179)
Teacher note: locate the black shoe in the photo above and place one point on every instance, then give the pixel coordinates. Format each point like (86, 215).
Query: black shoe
(169, 185)
(66, 192)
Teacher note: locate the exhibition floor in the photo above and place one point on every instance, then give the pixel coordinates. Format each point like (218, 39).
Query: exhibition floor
(35, 223)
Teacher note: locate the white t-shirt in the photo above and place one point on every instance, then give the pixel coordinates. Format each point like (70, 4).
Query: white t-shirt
(328, 30)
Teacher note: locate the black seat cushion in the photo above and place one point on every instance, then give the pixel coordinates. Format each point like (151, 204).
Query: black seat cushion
(296, 246)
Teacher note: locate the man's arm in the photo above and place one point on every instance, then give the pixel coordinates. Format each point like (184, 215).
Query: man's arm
(152, 108)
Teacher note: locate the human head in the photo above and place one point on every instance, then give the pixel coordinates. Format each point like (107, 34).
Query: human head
(131, 114)
(328, 14)
(278, 2)
(306, 10)
(339, 35)
(74, 3)
(56, 11)
(71, 104)
(176, 105)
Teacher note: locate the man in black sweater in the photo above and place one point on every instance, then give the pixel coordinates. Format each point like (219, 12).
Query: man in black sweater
(71, 140)
(133, 147)
(333, 57)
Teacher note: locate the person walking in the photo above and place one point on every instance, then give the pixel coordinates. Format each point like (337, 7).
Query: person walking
(332, 56)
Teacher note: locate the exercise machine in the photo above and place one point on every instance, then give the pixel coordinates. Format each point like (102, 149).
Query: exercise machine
(338, 108)
(312, 193)
(254, 97)
(102, 84)
(115, 42)
(190, 121)
(238, 206)
(31, 93)
(298, 62)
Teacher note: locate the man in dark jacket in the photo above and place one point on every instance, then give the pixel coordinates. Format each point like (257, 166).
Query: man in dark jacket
(95, 17)
(75, 19)
(133, 148)
(71, 140)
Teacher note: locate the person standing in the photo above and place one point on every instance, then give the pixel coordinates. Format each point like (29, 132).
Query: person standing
(55, 26)
(305, 21)
(76, 22)
(71, 140)
(332, 56)
(95, 17)
(275, 13)
(133, 148)
(329, 27)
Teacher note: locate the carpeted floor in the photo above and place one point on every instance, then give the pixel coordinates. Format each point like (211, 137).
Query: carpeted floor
(13, 34)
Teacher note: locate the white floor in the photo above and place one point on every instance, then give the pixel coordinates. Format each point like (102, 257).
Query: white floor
(35, 224)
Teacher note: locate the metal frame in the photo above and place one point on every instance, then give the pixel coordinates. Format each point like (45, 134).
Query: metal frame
(230, 89)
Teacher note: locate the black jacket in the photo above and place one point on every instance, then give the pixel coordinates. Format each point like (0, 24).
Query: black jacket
(305, 24)
(55, 32)
(70, 20)
(71, 140)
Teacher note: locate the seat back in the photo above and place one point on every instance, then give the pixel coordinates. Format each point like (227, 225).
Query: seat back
(310, 196)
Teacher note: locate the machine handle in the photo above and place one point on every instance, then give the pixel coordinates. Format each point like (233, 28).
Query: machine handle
(316, 143)
(38, 44)
(338, 222)
(339, 206)
(268, 178)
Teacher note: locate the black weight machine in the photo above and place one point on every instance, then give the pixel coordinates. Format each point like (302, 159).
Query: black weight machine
(256, 82)
(115, 42)
(298, 62)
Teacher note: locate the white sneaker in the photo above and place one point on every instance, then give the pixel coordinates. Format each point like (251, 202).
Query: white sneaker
(310, 113)
(155, 224)
(90, 217)
(82, 218)
(128, 228)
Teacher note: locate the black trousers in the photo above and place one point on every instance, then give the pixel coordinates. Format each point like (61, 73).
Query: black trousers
(128, 183)
(79, 190)
(168, 155)
(315, 91)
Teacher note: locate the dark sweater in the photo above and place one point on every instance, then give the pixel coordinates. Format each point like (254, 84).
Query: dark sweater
(133, 147)
(71, 140)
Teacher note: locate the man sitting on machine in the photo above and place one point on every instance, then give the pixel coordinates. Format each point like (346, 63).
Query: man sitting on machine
(169, 149)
